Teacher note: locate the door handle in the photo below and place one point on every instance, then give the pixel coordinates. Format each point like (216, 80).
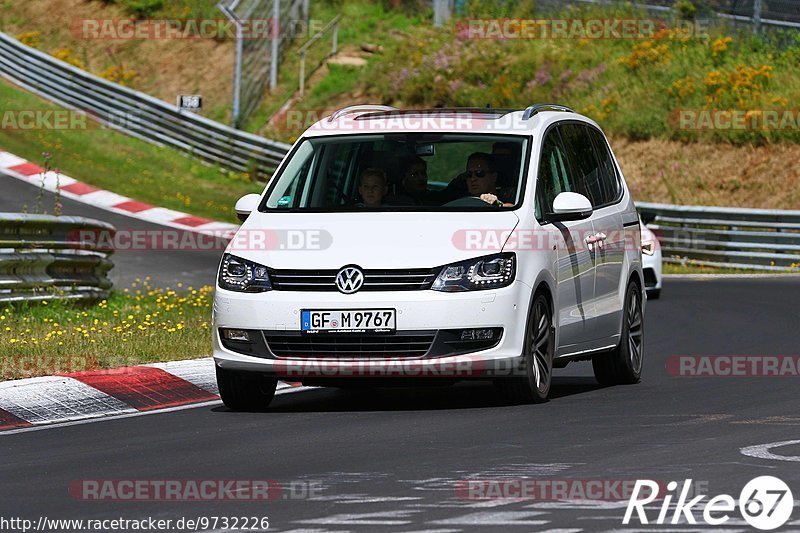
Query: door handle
(590, 241)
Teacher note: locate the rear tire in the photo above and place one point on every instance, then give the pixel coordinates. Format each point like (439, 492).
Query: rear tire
(534, 385)
(654, 294)
(623, 365)
(245, 391)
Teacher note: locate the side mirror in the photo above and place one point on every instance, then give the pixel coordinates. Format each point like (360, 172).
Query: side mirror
(246, 205)
(570, 206)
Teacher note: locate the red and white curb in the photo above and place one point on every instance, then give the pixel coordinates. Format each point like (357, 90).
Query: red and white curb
(73, 189)
(75, 396)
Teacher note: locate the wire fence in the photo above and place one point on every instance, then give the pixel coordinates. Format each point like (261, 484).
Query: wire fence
(258, 58)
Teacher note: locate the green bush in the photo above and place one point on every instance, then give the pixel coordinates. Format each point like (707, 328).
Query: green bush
(633, 86)
(143, 8)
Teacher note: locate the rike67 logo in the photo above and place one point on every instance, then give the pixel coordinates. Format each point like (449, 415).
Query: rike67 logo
(765, 503)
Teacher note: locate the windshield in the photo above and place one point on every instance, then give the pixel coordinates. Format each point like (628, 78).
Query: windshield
(401, 172)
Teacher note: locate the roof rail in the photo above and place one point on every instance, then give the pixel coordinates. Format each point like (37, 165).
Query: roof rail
(535, 108)
(360, 109)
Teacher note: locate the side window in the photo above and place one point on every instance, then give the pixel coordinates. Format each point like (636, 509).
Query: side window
(583, 164)
(552, 174)
(608, 171)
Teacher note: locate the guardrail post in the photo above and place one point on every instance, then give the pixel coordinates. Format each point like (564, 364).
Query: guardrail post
(441, 12)
(302, 73)
(237, 65)
(757, 17)
(332, 25)
(335, 38)
(276, 42)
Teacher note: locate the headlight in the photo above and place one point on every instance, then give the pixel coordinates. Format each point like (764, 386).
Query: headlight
(241, 275)
(490, 272)
(648, 247)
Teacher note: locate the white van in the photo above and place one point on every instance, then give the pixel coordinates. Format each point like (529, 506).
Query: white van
(441, 244)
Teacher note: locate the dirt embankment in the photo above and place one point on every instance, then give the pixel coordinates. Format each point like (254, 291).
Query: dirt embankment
(711, 174)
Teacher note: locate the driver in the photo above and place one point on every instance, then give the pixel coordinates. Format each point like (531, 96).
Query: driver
(481, 176)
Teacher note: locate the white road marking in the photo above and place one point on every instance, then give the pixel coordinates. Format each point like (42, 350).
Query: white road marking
(387, 518)
(382, 499)
(199, 372)
(288, 390)
(57, 399)
(582, 504)
(8, 160)
(651, 529)
(494, 518)
(762, 451)
(102, 198)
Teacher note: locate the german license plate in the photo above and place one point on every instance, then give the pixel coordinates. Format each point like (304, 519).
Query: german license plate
(348, 321)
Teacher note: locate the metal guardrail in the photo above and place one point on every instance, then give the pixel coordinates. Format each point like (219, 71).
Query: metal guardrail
(136, 113)
(43, 257)
(777, 13)
(762, 239)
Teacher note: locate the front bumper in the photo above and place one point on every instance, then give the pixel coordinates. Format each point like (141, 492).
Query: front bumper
(277, 311)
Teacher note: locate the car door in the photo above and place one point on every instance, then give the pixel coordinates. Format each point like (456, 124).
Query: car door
(589, 175)
(574, 270)
(609, 286)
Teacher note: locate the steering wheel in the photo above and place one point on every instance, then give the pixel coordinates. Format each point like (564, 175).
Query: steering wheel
(467, 201)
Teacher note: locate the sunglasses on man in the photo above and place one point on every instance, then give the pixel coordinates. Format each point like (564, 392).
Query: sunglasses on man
(477, 173)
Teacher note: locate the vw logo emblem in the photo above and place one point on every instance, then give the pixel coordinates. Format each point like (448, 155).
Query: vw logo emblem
(349, 279)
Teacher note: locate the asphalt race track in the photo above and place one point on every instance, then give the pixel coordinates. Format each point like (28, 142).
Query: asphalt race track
(392, 460)
(396, 459)
(166, 268)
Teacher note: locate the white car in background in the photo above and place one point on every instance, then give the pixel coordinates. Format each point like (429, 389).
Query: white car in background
(651, 262)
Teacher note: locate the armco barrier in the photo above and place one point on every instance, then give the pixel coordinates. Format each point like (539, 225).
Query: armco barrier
(42, 258)
(763, 239)
(136, 113)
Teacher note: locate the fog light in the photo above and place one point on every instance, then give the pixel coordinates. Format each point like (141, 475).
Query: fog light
(477, 334)
(235, 335)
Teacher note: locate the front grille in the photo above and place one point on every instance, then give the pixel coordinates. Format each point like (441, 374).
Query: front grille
(398, 344)
(419, 279)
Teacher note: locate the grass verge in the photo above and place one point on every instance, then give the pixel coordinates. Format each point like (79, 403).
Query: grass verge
(124, 164)
(690, 268)
(142, 324)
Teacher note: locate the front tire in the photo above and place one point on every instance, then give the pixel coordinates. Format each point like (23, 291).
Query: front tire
(623, 365)
(534, 385)
(245, 391)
